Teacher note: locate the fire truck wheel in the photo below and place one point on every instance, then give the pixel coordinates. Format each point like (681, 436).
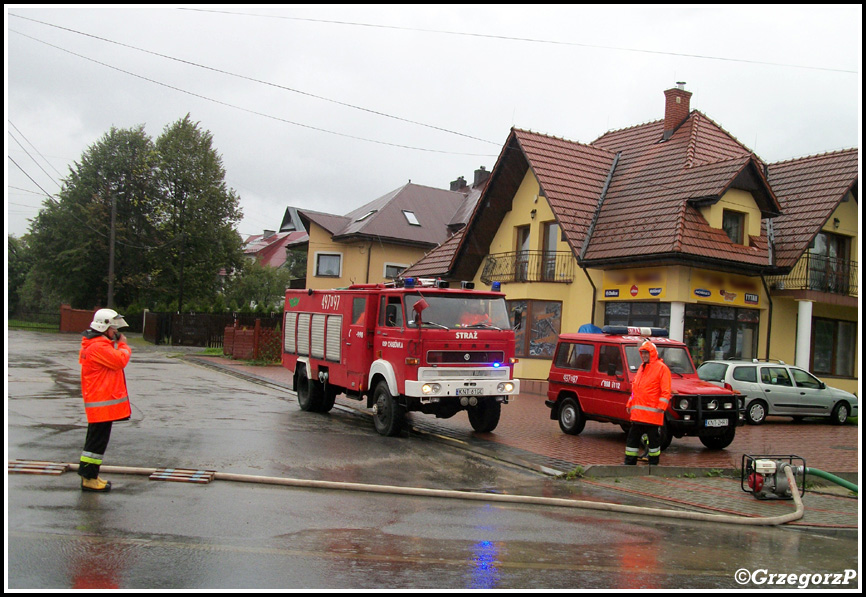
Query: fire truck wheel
(309, 392)
(484, 416)
(329, 397)
(719, 442)
(571, 419)
(388, 415)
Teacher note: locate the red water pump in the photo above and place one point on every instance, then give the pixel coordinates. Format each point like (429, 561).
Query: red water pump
(764, 476)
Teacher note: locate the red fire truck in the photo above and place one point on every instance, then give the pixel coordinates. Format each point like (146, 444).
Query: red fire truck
(413, 345)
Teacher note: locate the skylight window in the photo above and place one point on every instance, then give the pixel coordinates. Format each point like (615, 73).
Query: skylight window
(411, 218)
(366, 215)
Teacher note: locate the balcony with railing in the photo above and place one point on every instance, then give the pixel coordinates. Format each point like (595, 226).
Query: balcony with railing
(529, 266)
(820, 274)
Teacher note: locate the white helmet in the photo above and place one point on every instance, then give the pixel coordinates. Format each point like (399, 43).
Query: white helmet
(107, 318)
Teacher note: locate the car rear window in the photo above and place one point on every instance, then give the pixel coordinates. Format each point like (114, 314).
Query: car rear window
(745, 374)
(712, 371)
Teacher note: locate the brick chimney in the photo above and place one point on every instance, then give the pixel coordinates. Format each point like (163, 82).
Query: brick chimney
(458, 184)
(676, 108)
(481, 175)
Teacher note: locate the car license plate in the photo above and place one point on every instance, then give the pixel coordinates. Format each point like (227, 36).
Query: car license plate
(716, 423)
(469, 391)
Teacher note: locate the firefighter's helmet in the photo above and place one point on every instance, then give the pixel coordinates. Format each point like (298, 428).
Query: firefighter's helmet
(107, 318)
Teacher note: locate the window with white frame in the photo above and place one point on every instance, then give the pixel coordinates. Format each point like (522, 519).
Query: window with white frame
(392, 270)
(329, 265)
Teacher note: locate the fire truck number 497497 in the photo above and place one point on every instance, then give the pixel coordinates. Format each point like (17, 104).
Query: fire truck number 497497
(416, 346)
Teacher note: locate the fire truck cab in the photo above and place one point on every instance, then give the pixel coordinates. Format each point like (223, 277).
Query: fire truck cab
(414, 345)
(591, 376)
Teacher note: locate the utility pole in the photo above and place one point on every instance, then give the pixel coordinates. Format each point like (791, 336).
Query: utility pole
(111, 252)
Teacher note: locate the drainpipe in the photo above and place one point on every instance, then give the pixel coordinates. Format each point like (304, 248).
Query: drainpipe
(369, 252)
(594, 291)
(769, 315)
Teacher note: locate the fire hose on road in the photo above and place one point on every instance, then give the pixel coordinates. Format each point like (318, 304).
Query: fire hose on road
(496, 497)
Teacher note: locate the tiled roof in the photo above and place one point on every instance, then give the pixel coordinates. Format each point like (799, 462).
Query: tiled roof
(271, 250)
(809, 190)
(436, 263)
(571, 176)
(433, 208)
(649, 210)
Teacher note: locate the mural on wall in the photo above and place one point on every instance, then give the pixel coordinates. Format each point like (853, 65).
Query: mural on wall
(536, 325)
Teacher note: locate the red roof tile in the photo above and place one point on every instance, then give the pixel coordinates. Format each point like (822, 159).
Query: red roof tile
(809, 190)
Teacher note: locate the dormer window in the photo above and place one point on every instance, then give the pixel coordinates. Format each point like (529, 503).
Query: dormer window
(411, 218)
(734, 225)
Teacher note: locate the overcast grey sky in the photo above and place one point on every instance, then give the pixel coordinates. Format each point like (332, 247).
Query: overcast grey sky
(327, 107)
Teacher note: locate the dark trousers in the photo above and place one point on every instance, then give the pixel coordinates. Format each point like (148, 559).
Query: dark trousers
(633, 443)
(95, 445)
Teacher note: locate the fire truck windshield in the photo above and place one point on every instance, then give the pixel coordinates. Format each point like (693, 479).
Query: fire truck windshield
(675, 357)
(459, 312)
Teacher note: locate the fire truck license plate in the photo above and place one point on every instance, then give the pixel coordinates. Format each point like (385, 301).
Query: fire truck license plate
(716, 423)
(468, 391)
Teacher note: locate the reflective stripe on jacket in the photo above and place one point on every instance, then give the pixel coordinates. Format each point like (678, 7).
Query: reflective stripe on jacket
(651, 390)
(103, 383)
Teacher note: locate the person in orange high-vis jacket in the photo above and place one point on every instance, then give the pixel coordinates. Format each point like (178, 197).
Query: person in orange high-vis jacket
(651, 394)
(104, 354)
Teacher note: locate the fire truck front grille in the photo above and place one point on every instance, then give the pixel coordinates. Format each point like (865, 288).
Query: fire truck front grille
(463, 373)
(474, 357)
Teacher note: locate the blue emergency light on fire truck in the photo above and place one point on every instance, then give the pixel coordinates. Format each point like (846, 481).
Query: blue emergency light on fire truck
(414, 345)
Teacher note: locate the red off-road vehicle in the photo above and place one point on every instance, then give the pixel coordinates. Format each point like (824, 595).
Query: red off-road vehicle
(591, 375)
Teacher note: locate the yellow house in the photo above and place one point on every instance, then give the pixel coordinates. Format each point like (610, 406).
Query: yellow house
(379, 240)
(673, 224)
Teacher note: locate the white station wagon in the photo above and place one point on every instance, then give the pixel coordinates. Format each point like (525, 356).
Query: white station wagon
(775, 388)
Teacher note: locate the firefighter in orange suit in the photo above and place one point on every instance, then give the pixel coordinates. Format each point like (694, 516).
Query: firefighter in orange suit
(104, 354)
(651, 393)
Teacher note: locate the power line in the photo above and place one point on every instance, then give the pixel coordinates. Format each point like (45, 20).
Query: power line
(34, 148)
(523, 39)
(254, 80)
(222, 103)
(55, 202)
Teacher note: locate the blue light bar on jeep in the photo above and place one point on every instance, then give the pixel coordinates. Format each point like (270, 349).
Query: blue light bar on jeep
(408, 282)
(627, 330)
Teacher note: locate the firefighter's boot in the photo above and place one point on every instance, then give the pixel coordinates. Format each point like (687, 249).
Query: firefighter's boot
(97, 485)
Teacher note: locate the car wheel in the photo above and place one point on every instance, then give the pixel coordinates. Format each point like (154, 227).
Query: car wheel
(719, 442)
(571, 419)
(756, 412)
(840, 413)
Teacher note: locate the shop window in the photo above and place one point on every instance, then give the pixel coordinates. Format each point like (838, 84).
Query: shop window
(638, 314)
(716, 332)
(536, 325)
(834, 347)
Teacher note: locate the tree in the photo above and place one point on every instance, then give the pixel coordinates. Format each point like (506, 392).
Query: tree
(173, 231)
(198, 208)
(70, 237)
(256, 283)
(19, 261)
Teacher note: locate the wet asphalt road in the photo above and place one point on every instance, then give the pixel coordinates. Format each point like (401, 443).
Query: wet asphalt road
(229, 535)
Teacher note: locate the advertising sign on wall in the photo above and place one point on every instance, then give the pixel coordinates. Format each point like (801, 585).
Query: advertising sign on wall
(727, 289)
